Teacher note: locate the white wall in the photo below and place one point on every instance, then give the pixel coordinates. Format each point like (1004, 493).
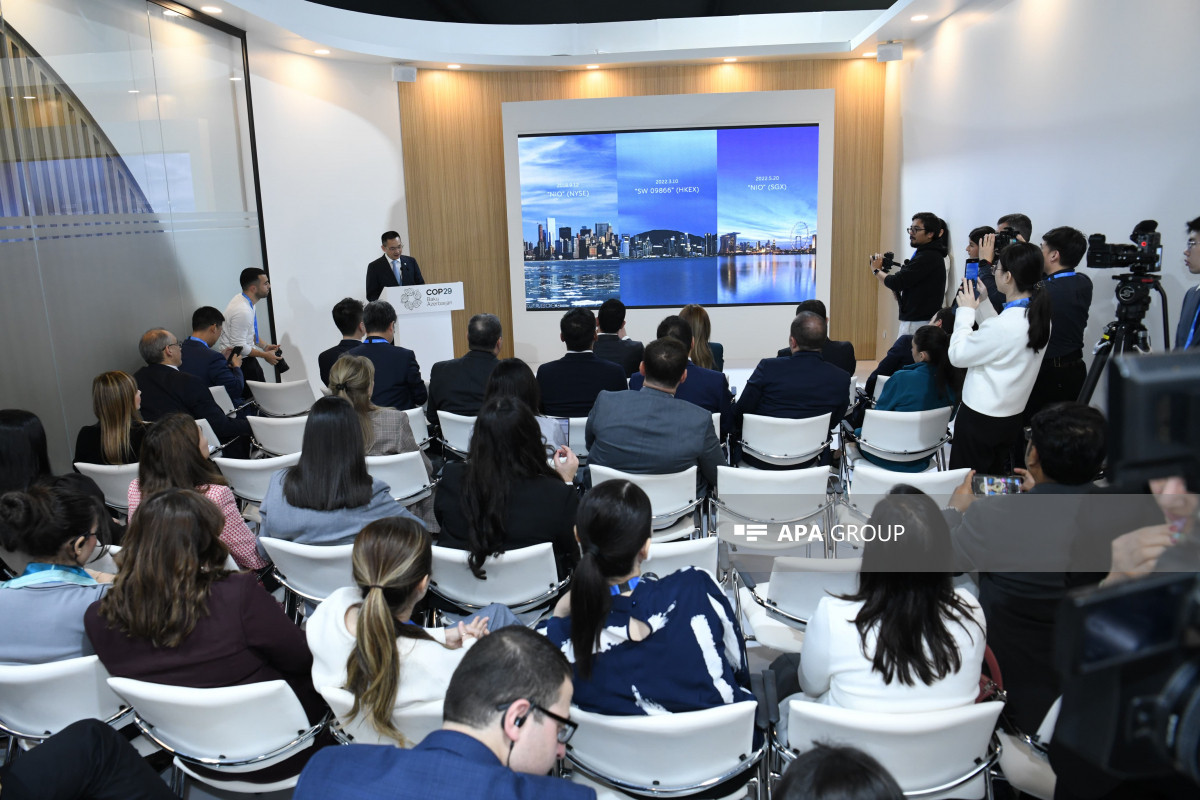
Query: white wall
(332, 178)
(1076, 112)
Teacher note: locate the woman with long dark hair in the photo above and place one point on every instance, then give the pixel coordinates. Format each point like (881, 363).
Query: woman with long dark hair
(505, 495)
(512, 377)
(642, 644)
(175, 456)
(116, 438)
(1002, 358)
(23, 454)
(329, 496)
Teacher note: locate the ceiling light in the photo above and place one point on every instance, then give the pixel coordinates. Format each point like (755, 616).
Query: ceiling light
(235, 78)
(920, 18)
(30, 97)
(593, 66)
(321, 52)
(869, 55)
(454, 66)
(169, 13)
(210, 9)
(730, 60)
(134, 91)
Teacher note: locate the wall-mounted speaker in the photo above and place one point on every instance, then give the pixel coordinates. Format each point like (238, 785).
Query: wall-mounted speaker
(404, 74)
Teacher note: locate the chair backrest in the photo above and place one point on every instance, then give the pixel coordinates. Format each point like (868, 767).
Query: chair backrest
(210, 435)
(717, 424)
(419, 425)
(221, 398)
(113, 480)
(230, 722)
(922, 750)
(668, 557)
(670, 495)
(39, 700)
(104, 559)
(249, 478)
(456, 430)
(630, 749)
(282, 399)
(516, 578)
(404, 473)
(314, 570)
(879, 382)
(798, 584)
(415, 722)
(792, 497)
(904, 435)
(784, 441)
(278, 435)
(577, 435)
(870, 483)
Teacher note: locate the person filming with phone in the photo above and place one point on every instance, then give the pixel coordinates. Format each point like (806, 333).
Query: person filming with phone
(920, 283)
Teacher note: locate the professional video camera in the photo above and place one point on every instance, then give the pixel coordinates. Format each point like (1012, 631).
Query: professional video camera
(1144, 255)
(1003, 239)
(889, 261)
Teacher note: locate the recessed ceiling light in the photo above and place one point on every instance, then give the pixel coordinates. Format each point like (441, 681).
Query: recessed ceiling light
(454, 66)
(593, 66)
(169, 13)
(210, 9)
(321, 52)
(30, 97)
(730, 60)
(920, 18)
(869, 55)
(235, 78)
(134, 91)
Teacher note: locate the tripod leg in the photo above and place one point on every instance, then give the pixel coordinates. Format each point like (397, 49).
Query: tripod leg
(1103, 352)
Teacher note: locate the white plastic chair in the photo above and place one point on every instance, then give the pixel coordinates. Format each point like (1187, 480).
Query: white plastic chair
(210, 436)
(221, 398)
(626, 753)
(899, 436)
(879, 382)
(870, 483)
(309, 571)
(278, 436)
(39, 700)
(668, 557)
(522, 579)
(577, 436)
(456, 432)
(249, 478)
(785, 442)
(113, 480)
(673, 503)
(106, 561)
(232, 729)
(1025, 760)
(405, 475)
(931, 754)
(778, 610)
(415, 722)
(770, 498)
(419, 425)
(288, 399)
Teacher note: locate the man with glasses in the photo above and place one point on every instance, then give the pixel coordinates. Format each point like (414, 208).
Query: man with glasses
(919, 285)
(1188, 333)
(506, 720)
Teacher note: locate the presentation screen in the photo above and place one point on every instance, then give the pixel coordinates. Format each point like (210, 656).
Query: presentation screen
(666, 217)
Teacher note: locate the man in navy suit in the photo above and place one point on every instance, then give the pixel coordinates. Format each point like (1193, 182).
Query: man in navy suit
(612, 344)
(840, 354)
(1187, 335)
(398, 381)
(209, 365)
(706, 388)
(347, 316)
(457, 385)
(570, 385)
(167, 390)
(393, 268)
(801, 386)
(506, 722)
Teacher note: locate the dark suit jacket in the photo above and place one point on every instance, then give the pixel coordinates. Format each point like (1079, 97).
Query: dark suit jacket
(706, 388)
(380, 275)
(1187, 315)
(626, 352)
(798, 387)
(326, 360)
(898, 355)
(211, 367)
(398, 381)
(570, 385)
(457, 385)
(167, 391)
(840, 354)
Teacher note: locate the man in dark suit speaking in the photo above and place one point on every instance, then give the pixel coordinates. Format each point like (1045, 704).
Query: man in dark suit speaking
(393, 268)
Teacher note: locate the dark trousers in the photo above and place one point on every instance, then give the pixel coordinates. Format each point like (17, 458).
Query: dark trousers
(87, 759)
(982, 443)
(1058, 381)
(252, 371)
(1020, 631)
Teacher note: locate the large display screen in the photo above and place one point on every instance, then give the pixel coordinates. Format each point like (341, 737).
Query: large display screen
(663, 218)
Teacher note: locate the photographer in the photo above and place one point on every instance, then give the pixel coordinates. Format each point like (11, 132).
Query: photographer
(1009, 228)
(920, 283)
(241, 326)
(1188, 333)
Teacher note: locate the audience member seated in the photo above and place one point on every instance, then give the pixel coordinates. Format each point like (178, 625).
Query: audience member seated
(570, 384)
(363, 638)
(385, 431)
(347, 316)
(167, 390)
(457, 385)
(801, 386)
(710, 355)
(210, 366)
(116, 438)
(1001, 358)
(927, 383)
(1020, 546)
(611, 343)
(706, 388)
(840, 354)
(176, 616)
(643, 644)
(506, 722)
(329, 496)
(41, 612)
(398, 381)
(651, 433)
(505, 496)
(175, 456)
(900, 353)
(512, 377)
(834, 772)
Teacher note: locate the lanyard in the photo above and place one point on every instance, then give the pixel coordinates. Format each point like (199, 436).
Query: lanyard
(201, 341)
(375, 340)
(253, 316)
(627, 586)
(1192, 332)
(1067, 273)
(1022, 303)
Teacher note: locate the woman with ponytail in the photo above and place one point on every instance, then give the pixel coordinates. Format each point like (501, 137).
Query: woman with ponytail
(363, 638)
(643, 644)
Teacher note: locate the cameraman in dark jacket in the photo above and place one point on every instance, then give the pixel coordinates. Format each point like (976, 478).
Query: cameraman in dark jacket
(920, 284)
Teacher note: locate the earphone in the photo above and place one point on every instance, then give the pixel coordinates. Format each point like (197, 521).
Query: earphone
(519, 721)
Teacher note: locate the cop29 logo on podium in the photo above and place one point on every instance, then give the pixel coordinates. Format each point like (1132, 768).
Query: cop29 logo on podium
(411, 298)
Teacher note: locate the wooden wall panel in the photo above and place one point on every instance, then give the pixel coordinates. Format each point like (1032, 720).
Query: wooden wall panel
(454, 168)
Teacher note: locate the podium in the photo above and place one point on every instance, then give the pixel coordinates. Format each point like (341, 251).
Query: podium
(423, 320)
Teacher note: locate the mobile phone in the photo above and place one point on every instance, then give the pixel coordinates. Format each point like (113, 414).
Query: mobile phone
(996, 484)
(564, 427)
(971, 273)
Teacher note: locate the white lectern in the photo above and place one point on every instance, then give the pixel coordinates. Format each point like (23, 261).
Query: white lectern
(423, 320)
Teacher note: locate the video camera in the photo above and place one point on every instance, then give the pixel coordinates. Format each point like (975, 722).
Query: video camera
(1003, 239)
(889, 261)
(1144, 255)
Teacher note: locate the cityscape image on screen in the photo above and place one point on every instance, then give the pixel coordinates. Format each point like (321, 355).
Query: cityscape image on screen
(715, 216)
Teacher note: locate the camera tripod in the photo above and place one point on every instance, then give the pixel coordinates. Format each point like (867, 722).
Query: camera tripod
(1127, 333)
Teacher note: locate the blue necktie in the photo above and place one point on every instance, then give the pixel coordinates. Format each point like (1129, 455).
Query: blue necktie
(396, 269)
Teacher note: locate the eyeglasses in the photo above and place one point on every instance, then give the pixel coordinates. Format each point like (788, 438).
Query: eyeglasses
(916, 230)
(174, 344)
(566, 727)
(1191, 243)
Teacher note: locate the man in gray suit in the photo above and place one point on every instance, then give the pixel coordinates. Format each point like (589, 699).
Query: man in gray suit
(650, 432)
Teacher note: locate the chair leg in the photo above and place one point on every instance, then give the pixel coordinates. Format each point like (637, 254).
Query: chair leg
(177, 780)
(10, 750)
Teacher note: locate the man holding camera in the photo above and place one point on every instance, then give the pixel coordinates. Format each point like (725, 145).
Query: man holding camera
(920, 283)
(1188, 333)
(241, 326)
